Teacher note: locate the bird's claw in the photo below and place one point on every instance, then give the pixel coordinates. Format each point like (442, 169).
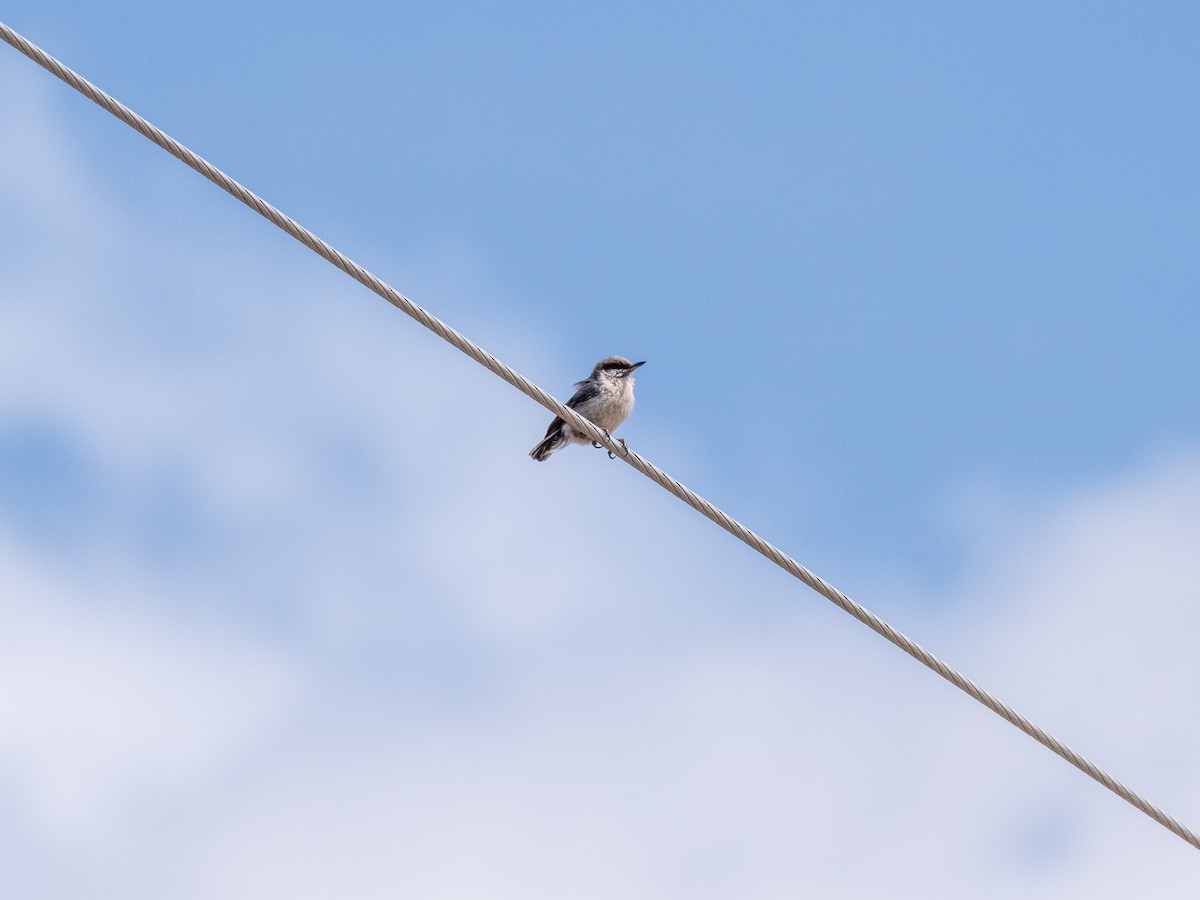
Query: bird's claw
(608, 434)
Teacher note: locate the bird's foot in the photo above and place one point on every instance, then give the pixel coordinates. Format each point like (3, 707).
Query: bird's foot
(608, 434)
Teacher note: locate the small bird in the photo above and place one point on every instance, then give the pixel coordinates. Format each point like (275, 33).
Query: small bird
(605, 397)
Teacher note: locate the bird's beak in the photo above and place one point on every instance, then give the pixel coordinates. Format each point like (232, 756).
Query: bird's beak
(635, 365)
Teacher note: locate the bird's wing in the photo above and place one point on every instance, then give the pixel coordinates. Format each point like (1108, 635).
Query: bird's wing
(586, 390)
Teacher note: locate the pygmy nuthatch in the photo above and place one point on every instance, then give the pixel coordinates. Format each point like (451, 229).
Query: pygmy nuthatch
(605, 397)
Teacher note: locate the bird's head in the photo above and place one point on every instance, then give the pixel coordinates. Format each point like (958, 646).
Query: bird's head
(615, 367)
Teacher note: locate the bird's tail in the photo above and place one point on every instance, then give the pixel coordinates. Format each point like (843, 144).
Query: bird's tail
(555, 439)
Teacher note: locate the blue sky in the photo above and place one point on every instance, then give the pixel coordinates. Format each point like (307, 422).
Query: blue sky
(289, 607)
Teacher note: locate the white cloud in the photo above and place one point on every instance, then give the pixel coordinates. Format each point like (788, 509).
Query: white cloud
(762, 761)
(393, 657)
(105, 704)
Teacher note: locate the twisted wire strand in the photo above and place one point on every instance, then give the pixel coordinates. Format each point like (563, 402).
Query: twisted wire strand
(531, 390)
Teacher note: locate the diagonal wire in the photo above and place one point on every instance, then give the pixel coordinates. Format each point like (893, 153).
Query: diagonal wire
(651, 471)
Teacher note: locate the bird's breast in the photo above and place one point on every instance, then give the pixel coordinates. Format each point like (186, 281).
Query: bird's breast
(611, 407)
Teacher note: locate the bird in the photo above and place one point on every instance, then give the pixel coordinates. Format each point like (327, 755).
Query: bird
(605, 397)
